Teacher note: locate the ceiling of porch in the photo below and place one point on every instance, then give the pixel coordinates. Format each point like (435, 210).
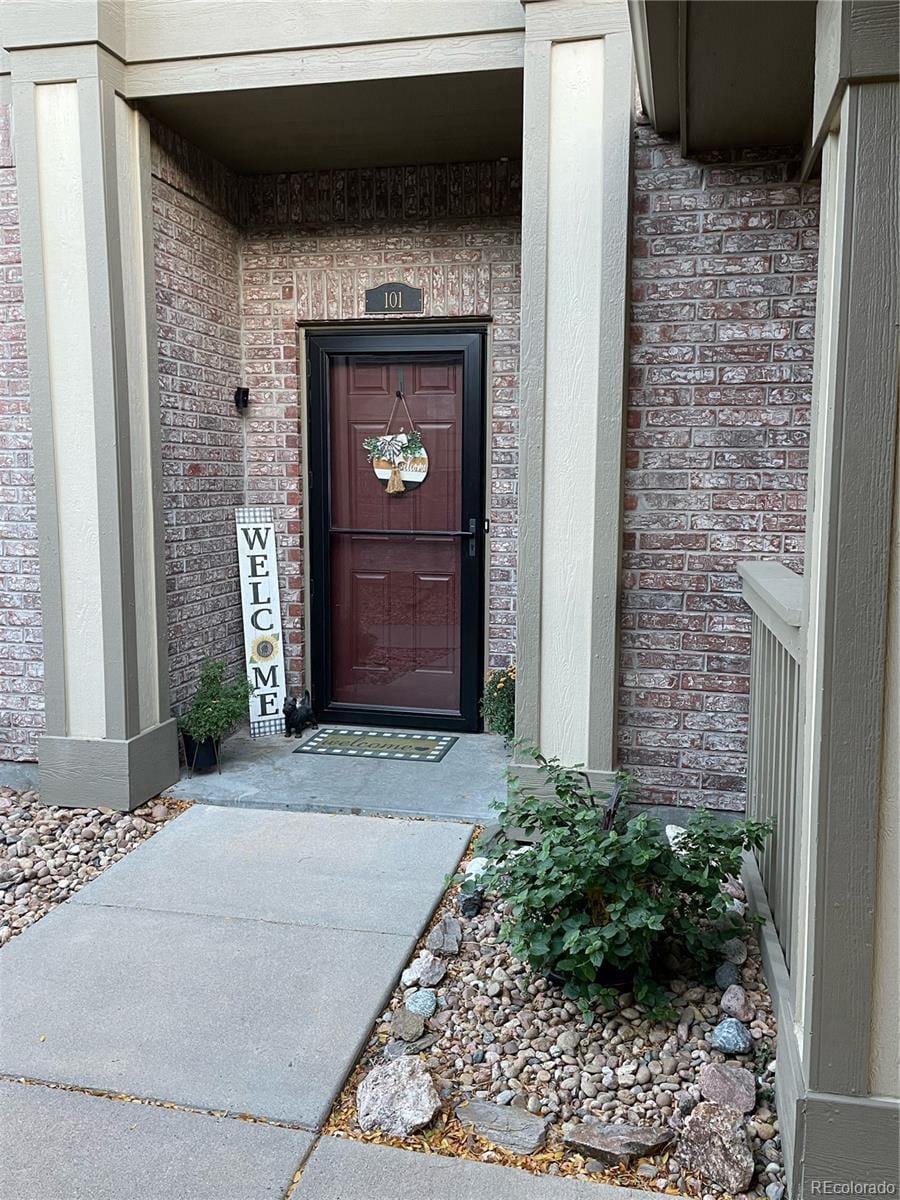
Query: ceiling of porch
(726, 74)
(378, 122)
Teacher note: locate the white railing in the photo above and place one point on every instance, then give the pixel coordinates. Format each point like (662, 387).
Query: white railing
(775, 596)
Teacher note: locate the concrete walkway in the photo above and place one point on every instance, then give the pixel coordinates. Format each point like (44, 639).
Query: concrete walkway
(229, 970)
(236, 963)
(266, 773)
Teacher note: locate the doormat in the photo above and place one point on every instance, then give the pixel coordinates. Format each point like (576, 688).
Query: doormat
(375, 743)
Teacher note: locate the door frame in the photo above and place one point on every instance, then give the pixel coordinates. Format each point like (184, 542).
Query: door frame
(321, 345)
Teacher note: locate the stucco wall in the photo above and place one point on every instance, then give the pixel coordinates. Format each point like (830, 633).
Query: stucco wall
(723, 282)
(21, 663)
(321, 240)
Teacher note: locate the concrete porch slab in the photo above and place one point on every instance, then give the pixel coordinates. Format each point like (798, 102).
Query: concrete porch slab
(266, 773)
(56, 1144)
(339, 1169)
(210, 1012)
(347, 872)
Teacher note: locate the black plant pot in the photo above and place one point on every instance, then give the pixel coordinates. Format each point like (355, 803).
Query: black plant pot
(200, 756)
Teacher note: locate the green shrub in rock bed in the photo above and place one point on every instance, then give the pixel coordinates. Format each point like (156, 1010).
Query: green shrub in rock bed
(498, 704)
(600, 906)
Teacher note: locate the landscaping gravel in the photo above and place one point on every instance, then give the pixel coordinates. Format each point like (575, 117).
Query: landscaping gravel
(508, 1037)
(48, 853)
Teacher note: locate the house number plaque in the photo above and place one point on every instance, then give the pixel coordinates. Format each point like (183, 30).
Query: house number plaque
(393, 298)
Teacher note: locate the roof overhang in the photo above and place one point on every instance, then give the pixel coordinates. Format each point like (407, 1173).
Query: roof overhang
(720, 74)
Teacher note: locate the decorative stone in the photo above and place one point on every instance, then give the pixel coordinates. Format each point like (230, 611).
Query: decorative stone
(615, 1144)
(423, 1002)
(774, 1190)
(511, 1127)
(733, 887)
(476, 867)
(732, 1086)
(470, 905)
(426, 969)
(445, 937)
(675, 833)
(397, 1098)
(407, 1025)
(431, 969)
(726, 975)
(731, 1037)
(396, 1048)
(714, 1144)
(735, 1004)
(735, 950)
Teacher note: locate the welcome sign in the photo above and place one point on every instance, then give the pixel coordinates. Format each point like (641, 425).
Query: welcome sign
(261, 604)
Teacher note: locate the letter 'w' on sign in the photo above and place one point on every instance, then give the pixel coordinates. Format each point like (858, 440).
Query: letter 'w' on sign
(258, 566)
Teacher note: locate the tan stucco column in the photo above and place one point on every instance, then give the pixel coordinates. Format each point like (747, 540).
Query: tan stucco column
(576, 155)
(82, 158)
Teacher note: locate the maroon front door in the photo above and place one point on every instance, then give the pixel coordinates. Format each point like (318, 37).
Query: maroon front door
(398, 569)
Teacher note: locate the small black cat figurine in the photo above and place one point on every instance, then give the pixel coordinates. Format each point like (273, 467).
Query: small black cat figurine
(298, 715)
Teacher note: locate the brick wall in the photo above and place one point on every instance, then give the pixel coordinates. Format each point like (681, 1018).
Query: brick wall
(21, 663)
(723, 277)
(321, 240)
(197, 260)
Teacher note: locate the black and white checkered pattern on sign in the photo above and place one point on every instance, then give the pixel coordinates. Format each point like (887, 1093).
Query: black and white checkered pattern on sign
(254, 515)
(266, 726)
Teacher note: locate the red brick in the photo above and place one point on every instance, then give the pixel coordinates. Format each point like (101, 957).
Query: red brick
(743, 395)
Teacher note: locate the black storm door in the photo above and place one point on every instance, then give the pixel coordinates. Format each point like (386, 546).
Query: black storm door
(397, 556)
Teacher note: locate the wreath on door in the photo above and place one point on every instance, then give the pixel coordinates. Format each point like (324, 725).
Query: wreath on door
(399, 460)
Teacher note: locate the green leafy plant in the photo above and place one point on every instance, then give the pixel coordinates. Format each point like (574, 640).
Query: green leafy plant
(218, 705)
(394, 447)
(498, 704)
(596, 898)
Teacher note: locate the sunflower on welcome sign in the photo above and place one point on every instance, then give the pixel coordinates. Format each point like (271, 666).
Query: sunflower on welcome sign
(264, 647)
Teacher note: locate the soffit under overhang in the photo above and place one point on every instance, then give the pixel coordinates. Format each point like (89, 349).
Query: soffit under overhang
(726, 73)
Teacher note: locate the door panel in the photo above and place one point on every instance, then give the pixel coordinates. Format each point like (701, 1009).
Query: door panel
(395, 622)
(384, 641)
(397, 579)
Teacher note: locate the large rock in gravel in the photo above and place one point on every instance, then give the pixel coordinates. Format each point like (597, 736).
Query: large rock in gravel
(727, 974)
(407, 1025)
(423, 1001)
(513, 1128)
(398, 1098)
(445, 937)
(735, 951)
(714, 1145)
(731, 1037)
(426, 969)
(732, 1086)
(615, 1144)
(735, 1003)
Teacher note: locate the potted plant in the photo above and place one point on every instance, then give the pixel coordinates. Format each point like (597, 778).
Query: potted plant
(498, 704)
(218, 706)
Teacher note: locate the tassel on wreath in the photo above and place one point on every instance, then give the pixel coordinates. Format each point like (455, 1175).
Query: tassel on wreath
(395, 483)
